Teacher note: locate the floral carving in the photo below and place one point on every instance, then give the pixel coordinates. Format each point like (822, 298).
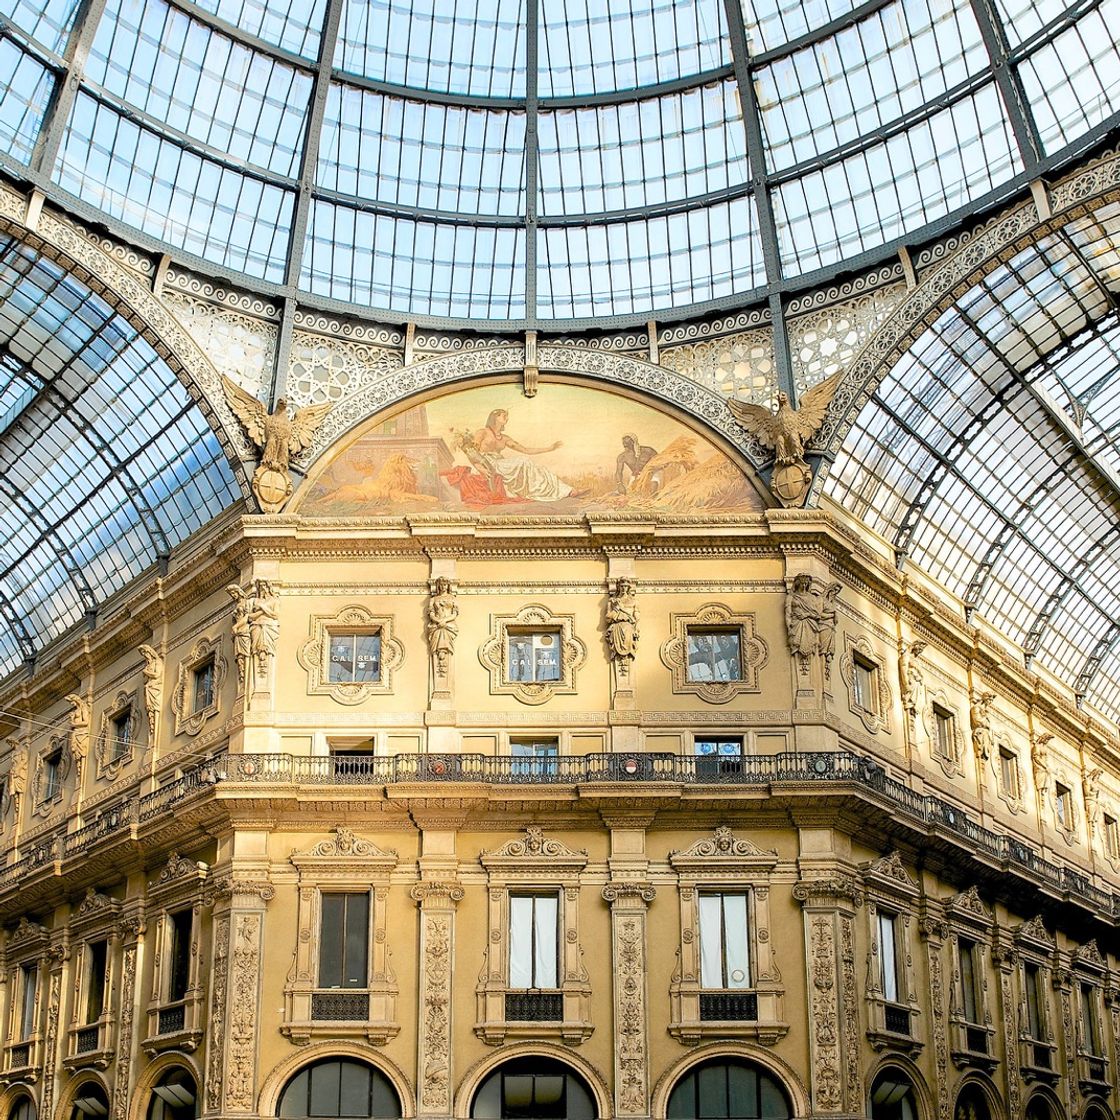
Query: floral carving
(435, 1004)
(534, 844)
(50, 1041)
(824, 1012)
(630, 1009)
(345, 843)
(124, 1046)
(722, 844)
(240, 1069)
(217, 1033)
(892, 868)
(940, 1035)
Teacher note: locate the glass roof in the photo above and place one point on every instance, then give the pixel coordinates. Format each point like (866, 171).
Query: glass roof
(530, 163)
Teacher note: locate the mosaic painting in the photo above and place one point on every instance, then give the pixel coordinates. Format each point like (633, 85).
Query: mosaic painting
(567, 450)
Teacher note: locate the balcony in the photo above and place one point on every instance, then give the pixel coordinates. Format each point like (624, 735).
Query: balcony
(1092, 1073)
(534, 1007)
(1038, 1060)
(91, 1046)
(728, 1007)
(972, 1045)
(892, 1026)
(340, 1007)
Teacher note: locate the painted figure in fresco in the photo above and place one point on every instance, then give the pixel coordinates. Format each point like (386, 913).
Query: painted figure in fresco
(633, 458)
(505, 477)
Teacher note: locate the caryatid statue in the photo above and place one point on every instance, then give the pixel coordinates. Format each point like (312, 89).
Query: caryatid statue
(264, 627)
(443, 625)
(811, 615)
(239, 630)
(622, 625)
(79, 733)
(910, 676)
(153, 690)
(980, 716)
(1040, 760)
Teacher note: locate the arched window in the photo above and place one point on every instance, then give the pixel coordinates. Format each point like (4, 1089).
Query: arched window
(23, 1109)
(339, 1087)
(534, 1089)
(175, 1097)
(728, 1089)
(892, 1097)
(91, 1103)
(972, 1105)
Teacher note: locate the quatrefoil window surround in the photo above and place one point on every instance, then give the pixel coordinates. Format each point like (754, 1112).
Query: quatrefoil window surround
(521, 634)
(714, 622)
(352, 623)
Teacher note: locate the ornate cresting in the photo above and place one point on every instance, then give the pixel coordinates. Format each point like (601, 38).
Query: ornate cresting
(828, 903)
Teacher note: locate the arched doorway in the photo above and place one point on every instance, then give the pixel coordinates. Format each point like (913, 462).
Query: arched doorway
(728, 1089)
(23, 1109)
(892, 1097)
(175, 1097)
(972, 1104)
(338, 1087)
(1039, 1108)
(91, 1103)
(534, 1088)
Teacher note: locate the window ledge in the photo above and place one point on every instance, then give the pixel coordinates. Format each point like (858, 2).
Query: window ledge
(187, 1040)
(693, 1033)
(375, 1033)
(571, 1033)
(91, 1059)
(888, 1040)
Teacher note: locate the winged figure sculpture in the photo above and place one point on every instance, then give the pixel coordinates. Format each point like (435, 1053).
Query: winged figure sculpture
(787, 430)
(279, 435)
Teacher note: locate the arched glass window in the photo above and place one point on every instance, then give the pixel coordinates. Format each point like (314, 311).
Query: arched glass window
(972, 1105)
(728, 1089)
(892, 1097)
(175, 1097)
(1039, 1108)
(91, 1103)
(339, 1087)
(534, 1089)
(23, 1109)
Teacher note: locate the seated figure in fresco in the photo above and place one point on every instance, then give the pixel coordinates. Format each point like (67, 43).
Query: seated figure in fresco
(505, 477)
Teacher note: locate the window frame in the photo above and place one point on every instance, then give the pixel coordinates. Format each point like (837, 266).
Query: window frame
(91, 1041)
(1088, 978)
(532, 618)
(26, 948)
(972, 1036)
(533, 865)
(536, 951)
(314, 653)
(753, 652)
(347, 864)
(189, 718)
(111, 758)
(335, 634)
(707, 631)
(1035, 946)
(534, 634)
(859, 657)
(726, 864)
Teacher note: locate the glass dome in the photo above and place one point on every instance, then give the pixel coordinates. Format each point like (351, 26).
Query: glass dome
(532, 164)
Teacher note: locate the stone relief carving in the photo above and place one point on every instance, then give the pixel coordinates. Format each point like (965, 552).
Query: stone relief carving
(811, 621)
(278, 436)
(50, 1039)
(345, 844)
(314, 654)
(910, 679)
(787, 431)
(435, 999)
(241, 1064)
(534, 845)
(124, 1046)
(622, 628)
(852, 1077)
(217, 1034)
(1091, 789)
(442, 626)
(940, 1035)
(824, 1013)
(255, 630)
(891, 868)
(153, 691)
(631, 1058)
(723, 845)
(494, 654)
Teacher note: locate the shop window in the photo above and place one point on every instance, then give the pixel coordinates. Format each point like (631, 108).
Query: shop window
(337, 1088)
(533, 656)
(355, 657)
(728, 1089)
(534, 1089)
(714, 654)
(344, 941)
(174, 1098)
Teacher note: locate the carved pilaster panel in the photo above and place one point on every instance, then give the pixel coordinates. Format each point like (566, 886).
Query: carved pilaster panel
(824, 1011)
(628, 944)
(121, 1088)
(1009, 1008)
(216, 1038)
(436, 939)
(940, 1034)
(244, 996)
(853, 1080)
(50, 1040)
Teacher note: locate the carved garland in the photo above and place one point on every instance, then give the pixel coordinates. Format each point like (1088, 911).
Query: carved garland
(494, 653)
(314, 654)
(753, 653)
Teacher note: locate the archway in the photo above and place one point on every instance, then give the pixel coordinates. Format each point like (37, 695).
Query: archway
(534, 1088)
(892, 1096)
(972, 1104)
(23, 1108)
(339, 1087)
(175, 1097)
(90, 1103)
(726, 1088)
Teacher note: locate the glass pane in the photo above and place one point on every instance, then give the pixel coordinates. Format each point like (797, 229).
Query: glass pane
(887, 959)
(325, 1084)
(735, 940)
(357, 940)
(712, 1093)
(520, 942)
(546, 660)
(330, 940)
(342, 657)
(367, 657)
(545, 941)
(711, 941)
(968, 981)
(354, 1090)
(293, 1104)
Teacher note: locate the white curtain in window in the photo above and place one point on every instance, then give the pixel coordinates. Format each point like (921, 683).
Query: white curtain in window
(887, 957)
(533, 921)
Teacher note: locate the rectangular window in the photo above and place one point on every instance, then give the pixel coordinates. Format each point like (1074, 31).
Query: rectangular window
(97, 961)
(944, 739)
(355, 658)
(1111, 836)
(1008, 773)
(344, 941)
(122, 735)
(1062, 805)
(356, 763)
(888, 956)
(714, 655)
(1032, 983)
(179, 970)
(202, 677)
(970, 992)
(718, 756)
(534, 756)
(533, 656)
(1089, 1026)
(52, 775)
(865, 687)
(29, 979)
(724, 947)
(533, 940)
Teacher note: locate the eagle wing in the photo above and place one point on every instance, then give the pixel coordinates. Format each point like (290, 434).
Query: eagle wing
(250, 411)
(305, 423)
(813, 406)
(757, 420)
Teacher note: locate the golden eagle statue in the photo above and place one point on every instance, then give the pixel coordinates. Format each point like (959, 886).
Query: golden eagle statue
(787, 430)
(279, 436)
